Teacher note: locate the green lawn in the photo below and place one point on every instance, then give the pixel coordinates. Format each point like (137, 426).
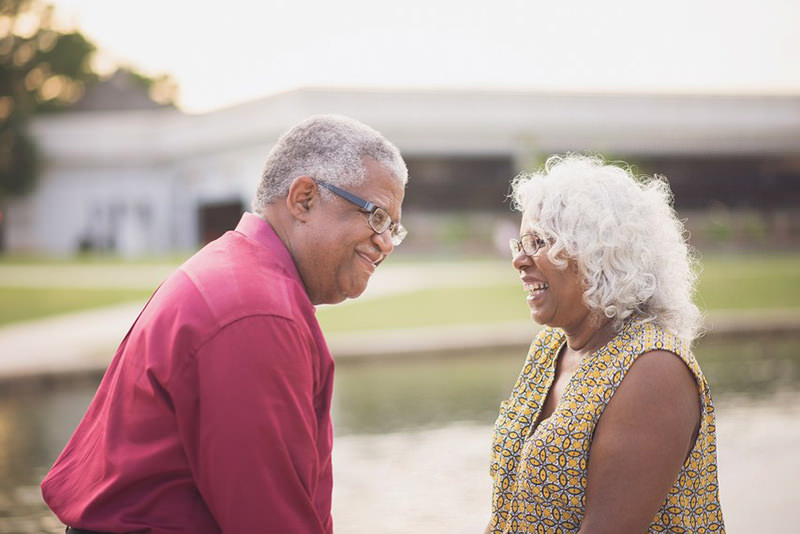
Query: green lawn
(755, 282)
(727, 282)
(429, 307)
(20, 304)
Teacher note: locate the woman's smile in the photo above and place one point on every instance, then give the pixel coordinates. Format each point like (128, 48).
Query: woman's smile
(535, 290)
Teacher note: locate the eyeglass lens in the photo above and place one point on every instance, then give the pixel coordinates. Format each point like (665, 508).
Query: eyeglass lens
(529, 243)
(380, 221)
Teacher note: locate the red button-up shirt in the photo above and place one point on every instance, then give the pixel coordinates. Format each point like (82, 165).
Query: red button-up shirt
(214, 415)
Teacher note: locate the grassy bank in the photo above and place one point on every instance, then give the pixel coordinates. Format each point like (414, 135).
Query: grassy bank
(729, 282)
(33, 288)
(30, 290)
(752, 282)
(23, 304)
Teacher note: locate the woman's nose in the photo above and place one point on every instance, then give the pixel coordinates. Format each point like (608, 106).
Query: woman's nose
(520, 260)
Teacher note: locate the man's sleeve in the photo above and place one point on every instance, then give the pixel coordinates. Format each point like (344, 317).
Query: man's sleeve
(252, 439)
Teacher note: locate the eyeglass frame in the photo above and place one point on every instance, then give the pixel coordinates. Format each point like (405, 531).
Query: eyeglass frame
(397, 231)
(518, 245)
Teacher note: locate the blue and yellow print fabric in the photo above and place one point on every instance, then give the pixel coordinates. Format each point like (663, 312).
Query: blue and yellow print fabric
(540, 476)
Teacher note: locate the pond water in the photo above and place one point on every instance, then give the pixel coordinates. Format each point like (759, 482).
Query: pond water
(413, 434)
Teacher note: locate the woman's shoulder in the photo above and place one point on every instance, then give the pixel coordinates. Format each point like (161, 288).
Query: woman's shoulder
(661, 365)
(662, 390)
(644, 336)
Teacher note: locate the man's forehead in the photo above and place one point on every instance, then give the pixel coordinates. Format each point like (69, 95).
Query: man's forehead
(385, 191)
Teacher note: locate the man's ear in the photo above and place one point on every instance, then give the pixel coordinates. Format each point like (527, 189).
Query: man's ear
(302, 197)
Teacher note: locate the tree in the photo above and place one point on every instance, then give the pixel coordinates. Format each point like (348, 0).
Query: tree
(44, 70)
(41, 69)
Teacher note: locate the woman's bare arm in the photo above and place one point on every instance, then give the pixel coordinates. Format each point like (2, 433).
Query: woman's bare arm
(640, 444)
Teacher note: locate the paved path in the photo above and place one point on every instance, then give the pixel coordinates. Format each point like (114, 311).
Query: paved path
(84, 342)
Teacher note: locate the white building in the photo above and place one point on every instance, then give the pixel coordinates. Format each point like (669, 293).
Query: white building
(150, 181)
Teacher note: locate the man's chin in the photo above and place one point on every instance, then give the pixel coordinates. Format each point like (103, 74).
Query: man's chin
(357, 292)
(340, 297)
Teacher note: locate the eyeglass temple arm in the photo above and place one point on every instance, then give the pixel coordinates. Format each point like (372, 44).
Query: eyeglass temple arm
(364, 204)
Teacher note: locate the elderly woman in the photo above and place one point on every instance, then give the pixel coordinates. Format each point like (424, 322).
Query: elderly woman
(610, 426)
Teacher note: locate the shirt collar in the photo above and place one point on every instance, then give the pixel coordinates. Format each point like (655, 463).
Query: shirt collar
(258, 229)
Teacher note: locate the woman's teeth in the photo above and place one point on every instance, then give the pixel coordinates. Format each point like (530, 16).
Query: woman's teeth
(534, 288)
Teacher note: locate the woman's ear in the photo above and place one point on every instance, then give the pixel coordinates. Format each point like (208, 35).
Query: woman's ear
(302, 197)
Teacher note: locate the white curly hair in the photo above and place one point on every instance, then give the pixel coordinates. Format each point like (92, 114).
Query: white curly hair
(327, 147)
(623, 233)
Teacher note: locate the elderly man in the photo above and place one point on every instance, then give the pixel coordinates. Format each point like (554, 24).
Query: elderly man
(214, 415)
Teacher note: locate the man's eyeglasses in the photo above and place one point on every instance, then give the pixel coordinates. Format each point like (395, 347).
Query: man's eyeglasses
(528, 243)
(379, 219)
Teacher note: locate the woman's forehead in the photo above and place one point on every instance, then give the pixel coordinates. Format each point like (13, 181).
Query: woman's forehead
(530, 222)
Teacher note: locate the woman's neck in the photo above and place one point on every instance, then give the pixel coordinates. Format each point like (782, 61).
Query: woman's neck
(589, 336)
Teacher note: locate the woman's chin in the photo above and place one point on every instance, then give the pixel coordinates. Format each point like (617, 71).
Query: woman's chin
(539, 317)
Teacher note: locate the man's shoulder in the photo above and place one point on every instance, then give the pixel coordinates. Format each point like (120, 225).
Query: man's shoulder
(230, 279)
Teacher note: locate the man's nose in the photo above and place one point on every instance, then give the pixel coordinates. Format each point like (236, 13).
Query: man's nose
(384, 242)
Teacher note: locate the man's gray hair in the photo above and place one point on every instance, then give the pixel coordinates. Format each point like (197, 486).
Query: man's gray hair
(331, 148)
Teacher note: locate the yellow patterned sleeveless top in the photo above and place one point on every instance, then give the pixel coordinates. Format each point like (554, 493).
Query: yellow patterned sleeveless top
(540, 477)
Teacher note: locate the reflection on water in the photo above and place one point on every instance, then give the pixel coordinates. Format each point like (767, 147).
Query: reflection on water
(398, 395)
(421, 392)
(34, 428)
(752, 367)
(370, 398)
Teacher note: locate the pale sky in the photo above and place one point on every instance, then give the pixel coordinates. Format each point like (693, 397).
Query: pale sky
(224, 53)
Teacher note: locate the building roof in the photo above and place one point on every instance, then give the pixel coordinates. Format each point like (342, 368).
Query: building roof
(450, 122)
(119, 92)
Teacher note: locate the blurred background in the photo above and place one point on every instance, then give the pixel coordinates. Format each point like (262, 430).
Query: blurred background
(133, 133)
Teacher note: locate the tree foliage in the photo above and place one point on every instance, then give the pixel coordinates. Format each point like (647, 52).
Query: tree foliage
(43, 69)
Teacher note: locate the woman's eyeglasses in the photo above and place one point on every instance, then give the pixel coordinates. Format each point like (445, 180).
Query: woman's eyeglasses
(530, 244)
